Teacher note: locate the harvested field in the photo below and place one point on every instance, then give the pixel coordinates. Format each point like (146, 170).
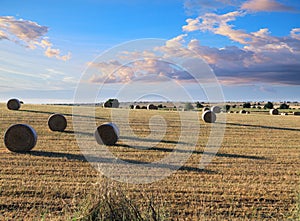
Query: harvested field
(254, 176)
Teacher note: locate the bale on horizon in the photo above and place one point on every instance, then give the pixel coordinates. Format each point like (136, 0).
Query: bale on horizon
(216, 109)
(111, 103)
(107, 134)
(205, 109)
(296, 113)
(243, 112)
(20, 138)
(13, 104)
(209, 116)
(152, 107)
(136, 107)
(57, 122)
(274, 112)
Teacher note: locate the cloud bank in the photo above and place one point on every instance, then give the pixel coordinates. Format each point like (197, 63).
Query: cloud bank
(262, 58)
(28, 34)
(148, 70)
(253, 57)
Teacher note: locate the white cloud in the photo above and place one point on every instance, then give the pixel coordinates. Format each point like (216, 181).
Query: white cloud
(295, 33)
(266, 5)
(255, 41)
(28, 34)
(176, 41)
(51, 52)
(261, 57)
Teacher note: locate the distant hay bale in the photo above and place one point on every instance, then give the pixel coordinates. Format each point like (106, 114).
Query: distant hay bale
(111, 103)
(57, 122)
(13, 104)
(107, 105)
(243, 112)
(152, 107)
(209, 116)
(216, 109)
(284, 114)
(274, 112)
(136, 107)
(107, 134)
(236, 112)
(230, 112)
(247, 112)
(20, 138)
(205, 109)
(144, 107)
(296, 113)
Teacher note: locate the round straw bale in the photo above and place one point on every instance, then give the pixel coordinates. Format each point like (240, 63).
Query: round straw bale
(247, 112)
(243, 112)
(216, 109)
(283, 114)
(20, 138)
(107, 104)
(209, 116)
(274, 112)
(107, 134)
(144, 107)
(152, 107)
(137, 107)
(13, 104)
(236, 112)
(296, 113)
(57, 122)
(205, 109)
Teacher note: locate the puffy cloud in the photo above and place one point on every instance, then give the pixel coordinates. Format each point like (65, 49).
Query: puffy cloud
(255, 41)
(176, 41)
(262, 57)
(28, 34)
(218, 24)
(295, 33)
(22, 29)
(234, 65)
(266, 5)
(51, 52)
(147, 70)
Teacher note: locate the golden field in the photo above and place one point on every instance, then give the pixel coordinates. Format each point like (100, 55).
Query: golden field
(254, 176)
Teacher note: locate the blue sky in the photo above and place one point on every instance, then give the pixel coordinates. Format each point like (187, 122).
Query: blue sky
(252, 46)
